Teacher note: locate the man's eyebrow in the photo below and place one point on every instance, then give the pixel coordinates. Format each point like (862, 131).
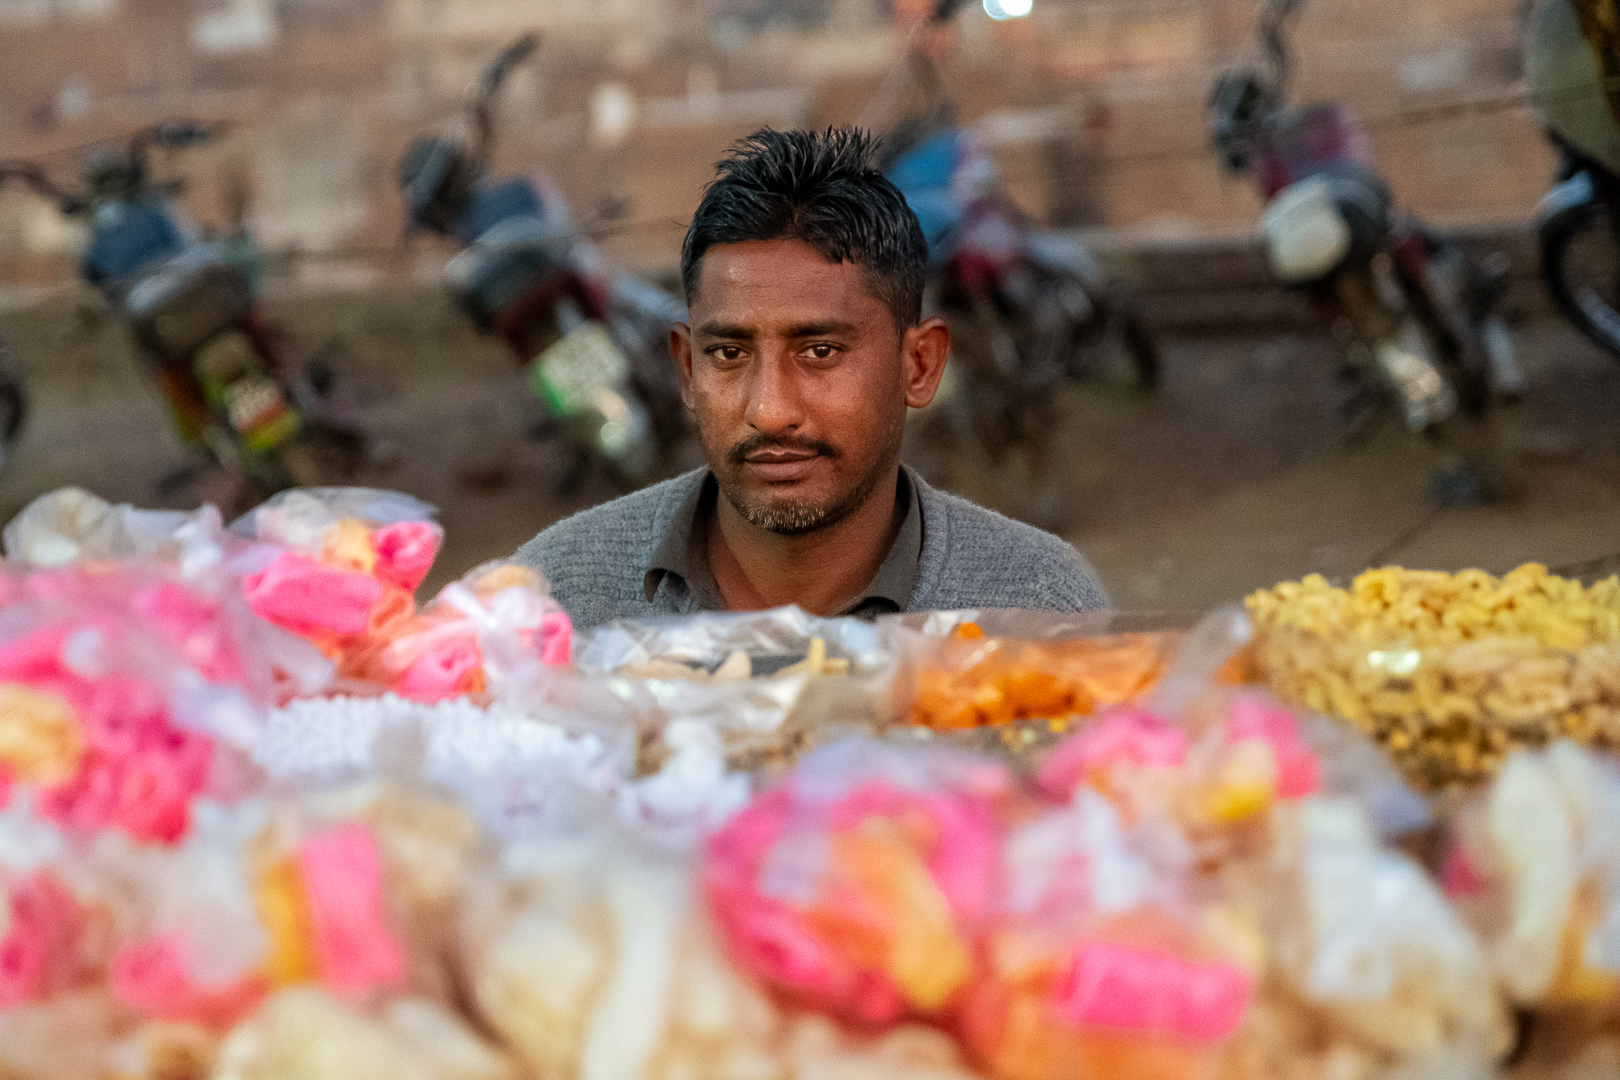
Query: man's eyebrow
(821, 329)
(731, 331)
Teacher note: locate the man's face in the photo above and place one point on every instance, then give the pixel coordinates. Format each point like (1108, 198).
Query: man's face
(799, 381)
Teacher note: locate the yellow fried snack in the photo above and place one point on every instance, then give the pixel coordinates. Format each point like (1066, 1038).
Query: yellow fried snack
(1448, 671)
(981, 682)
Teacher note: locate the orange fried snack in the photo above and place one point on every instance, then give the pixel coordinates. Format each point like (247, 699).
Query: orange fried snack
(978, 681)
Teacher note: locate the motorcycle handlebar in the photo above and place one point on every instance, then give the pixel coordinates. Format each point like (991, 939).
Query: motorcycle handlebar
(33, 177)
(181, 134)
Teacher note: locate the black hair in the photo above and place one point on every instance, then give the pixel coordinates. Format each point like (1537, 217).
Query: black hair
(821, 188)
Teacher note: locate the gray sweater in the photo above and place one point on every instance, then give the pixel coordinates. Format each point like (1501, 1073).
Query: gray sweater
(597, 560)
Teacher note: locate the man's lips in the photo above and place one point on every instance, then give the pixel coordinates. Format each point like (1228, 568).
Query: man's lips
(781, 466)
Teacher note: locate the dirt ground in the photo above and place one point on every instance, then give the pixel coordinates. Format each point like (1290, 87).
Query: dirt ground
(1235, 475)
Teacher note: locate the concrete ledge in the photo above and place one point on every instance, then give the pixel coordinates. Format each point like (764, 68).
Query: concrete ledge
(1222, 283)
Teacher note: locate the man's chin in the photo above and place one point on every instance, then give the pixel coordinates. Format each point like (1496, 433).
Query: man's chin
(783, 514)
(789, 518)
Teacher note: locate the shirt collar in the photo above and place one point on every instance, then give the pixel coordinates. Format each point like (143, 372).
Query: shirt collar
(680, 563)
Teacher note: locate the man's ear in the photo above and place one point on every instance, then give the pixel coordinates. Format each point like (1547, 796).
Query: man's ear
(680, 347)
(925, 349)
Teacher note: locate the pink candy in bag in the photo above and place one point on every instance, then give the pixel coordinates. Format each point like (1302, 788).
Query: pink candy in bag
(1136, 989)
(857, 885)
(40, 950)
(342, 875)
(307, 597)
(405, 552)
(1122, 740)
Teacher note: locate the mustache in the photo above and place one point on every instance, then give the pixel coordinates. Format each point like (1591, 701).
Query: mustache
(755, 443)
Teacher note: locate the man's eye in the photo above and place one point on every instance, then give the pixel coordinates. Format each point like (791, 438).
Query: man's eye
(727, 353)
(822, 351)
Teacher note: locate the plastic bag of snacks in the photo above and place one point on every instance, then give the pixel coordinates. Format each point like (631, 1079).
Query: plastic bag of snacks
(287, 940)
(1016, 681)
(591, 955)
(71, 525)
(766, 681)
(273, 895)
(340, 566)
(1364, 936)
(1356, 957)
(1099, 962)
(859, 885)
(1450, 672)
(1535, 864)
(295, 939)
(121, 689)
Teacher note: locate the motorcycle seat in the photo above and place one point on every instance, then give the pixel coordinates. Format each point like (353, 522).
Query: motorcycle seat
(187, 300)
(503, 265)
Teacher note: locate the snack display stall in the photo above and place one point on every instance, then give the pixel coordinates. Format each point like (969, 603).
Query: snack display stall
(267, 813)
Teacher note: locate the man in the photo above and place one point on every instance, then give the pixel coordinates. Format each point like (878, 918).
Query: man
(803, 270)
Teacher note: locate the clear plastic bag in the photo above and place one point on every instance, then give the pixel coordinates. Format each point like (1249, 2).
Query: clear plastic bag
(1099, 963)
(71, 525)
(1279, 821)
(592, 955)
(1534, 864)
(356, 891)
(770, 683)
(1389, 957)
(1012, 683)
(126, 693)
(860, 883)
(341, 566)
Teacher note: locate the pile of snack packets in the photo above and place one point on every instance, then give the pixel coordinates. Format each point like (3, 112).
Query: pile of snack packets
(263, 814)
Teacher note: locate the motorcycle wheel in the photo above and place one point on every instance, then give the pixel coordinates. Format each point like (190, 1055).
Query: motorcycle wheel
(1139, 346)
(1113, 346)
(1580, 264)
(13, 399)
(1001, 431)
(322, 454)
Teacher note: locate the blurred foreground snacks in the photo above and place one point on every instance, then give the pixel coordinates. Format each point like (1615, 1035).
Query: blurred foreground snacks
(262, 815)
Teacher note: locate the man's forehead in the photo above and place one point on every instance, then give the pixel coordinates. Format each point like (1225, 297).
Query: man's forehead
(780, 281)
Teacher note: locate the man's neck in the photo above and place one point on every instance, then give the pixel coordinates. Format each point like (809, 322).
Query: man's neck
(822, 571)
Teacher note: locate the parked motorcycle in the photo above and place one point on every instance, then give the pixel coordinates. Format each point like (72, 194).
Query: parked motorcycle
(1417, 317)
(1577, 225)
(232, 390)
(594, 344)
(1028, 309)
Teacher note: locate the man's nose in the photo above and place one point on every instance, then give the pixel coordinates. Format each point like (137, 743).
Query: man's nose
(774, 401)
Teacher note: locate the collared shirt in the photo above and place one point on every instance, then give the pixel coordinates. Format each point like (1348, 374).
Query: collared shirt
(680, 564)
(598, 561)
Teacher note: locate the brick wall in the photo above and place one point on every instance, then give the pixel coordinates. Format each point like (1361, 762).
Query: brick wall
(1095, 107)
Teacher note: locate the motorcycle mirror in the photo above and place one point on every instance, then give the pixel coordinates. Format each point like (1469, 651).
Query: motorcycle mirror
(521, 49)
(509, 58)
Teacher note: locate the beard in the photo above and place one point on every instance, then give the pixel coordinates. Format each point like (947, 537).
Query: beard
(795, 515)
